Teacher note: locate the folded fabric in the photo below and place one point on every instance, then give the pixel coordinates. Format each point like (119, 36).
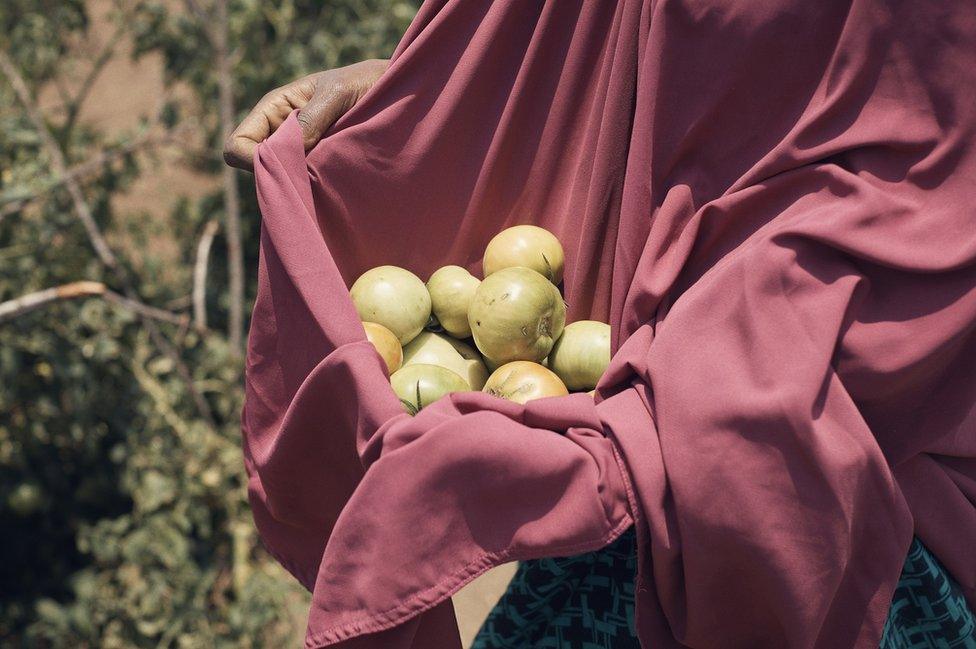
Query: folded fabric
(769, 202)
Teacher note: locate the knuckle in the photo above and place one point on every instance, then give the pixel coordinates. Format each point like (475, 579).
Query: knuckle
(272, 94)
(306, 124)
(328, 93)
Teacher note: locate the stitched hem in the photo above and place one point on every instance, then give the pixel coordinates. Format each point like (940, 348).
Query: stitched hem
(625, 476)
(427, 599)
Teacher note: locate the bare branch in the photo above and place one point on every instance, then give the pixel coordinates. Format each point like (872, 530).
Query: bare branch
(146, 310)
(150, 137)
(57, 161)
(76, 102)
(25, 304)
(32, 301)
(84, 214)
(180, 303)
(232, 205)
(200, 274)
(198, 12)
(79, 172)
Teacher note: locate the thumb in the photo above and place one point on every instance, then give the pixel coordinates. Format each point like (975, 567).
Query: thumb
(329, 102)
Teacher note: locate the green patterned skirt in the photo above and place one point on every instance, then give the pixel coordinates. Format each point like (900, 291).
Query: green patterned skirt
(587, 602)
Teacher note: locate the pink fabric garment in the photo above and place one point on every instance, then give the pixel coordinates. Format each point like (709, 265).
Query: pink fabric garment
(771, 202)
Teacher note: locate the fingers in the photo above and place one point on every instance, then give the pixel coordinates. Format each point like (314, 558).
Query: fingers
(323, 98)
(239, 152)
(337, 91)
(332, 99)
(263, 120)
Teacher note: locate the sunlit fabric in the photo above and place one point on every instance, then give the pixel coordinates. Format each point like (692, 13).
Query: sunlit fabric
(770, 202)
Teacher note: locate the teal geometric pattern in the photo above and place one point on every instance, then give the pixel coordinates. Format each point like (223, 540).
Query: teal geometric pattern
(587, 602)
(928, 608)
(584, 602)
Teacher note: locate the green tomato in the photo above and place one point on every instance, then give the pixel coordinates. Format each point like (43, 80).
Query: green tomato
(393, 297)
(582, 354)
(516, 315)
(420, 385)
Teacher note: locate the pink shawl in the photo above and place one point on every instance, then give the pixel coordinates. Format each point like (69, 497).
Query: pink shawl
(771, 202)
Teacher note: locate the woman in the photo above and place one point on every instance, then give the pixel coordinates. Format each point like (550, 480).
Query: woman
(783, 328)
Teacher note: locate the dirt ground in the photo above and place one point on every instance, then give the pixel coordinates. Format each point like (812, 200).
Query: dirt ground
(473, 602)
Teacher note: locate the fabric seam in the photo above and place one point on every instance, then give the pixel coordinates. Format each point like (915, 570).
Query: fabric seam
(372, 624)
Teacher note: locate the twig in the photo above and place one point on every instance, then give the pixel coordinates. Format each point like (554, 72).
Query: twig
(200, 274)
(144, 309)
(242, 542)
(84, 214)
(58, 163)
(179, 303)
(194, 8)
(75, 104)
(232, 205)
(14, 203)
(159, 395)
(32, 301)
(79, 171)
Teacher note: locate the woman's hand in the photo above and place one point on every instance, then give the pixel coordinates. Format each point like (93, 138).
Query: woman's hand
(323, 97)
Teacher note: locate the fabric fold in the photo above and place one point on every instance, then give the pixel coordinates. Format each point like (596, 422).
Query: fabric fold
(538, 479)
(770, 203)
(477, 484)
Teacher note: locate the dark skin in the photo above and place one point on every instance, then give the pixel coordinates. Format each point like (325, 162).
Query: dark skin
(324, 97)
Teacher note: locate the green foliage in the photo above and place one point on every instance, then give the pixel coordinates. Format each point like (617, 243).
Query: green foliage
(124, 514)
(45, 27)
(274, 43)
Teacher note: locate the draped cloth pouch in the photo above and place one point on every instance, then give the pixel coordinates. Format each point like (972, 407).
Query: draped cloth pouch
(770, 203)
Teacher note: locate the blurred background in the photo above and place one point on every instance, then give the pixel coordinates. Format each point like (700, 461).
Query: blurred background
(127, 267)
